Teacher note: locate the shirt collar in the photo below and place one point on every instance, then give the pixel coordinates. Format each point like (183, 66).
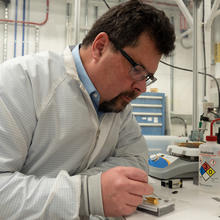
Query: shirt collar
(94, 94)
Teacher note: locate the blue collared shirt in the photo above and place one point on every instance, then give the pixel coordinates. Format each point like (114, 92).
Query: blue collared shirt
(94, 94)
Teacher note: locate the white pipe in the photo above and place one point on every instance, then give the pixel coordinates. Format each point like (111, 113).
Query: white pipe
(217, 47)
(212, 15)
(185, 12)
(77, 21)
(208, 25)
(217, 13)
(37, 38)
(5, 36)
(189, 31)
(68, 22)
(87, 12)
(195, 67)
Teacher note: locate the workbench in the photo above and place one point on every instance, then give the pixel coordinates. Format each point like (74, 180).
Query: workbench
(191, 203)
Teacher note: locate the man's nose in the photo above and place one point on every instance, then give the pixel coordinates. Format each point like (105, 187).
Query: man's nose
(139, 86)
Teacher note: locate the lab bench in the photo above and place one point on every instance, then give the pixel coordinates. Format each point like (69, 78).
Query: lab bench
(191, 203)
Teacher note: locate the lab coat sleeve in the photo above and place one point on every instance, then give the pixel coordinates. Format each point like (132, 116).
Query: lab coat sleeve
(28, 196)
(131, 150)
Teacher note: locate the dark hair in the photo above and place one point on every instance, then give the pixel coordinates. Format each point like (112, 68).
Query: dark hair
(125, 22)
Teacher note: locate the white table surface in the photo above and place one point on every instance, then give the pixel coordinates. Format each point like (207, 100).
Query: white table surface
(191, 202)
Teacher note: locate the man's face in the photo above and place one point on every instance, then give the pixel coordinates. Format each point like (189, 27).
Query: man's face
(118, 103)
(125, 84)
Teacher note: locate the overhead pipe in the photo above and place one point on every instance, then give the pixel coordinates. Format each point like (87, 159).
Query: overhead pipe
(217, 13)
(30, 22)
(183, 9)
(213, 14)
(185, 12)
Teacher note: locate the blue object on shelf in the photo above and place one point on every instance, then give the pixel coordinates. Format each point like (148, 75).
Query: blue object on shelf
(149, 111)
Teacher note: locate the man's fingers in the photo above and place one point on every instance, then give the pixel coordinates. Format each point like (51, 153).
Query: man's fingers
(138, 181)
(134, 200)
(122, 190)
(139, 188)
(135, 174)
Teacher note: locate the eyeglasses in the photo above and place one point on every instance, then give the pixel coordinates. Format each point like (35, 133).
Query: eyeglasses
(138, 72)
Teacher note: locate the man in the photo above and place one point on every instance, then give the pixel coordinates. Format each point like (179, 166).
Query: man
(69, 146)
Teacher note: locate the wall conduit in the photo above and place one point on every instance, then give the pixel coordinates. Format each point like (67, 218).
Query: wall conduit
(30, 22)
(15, 34)
(23, 26)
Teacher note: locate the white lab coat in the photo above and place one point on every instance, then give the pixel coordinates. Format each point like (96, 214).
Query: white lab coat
(53, 147)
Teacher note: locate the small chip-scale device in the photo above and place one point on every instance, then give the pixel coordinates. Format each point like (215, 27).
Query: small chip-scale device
(156, 205)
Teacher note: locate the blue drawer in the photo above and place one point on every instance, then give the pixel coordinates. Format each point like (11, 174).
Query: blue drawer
(149, 111)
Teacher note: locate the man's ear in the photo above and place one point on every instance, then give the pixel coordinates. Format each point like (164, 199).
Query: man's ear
(99, 45)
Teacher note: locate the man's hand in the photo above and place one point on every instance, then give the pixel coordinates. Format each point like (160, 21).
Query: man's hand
(122, 190)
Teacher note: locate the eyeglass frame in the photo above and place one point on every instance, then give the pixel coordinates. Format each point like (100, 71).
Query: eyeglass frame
(147, 75)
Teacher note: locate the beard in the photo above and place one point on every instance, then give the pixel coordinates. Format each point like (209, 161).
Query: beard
(118, 103)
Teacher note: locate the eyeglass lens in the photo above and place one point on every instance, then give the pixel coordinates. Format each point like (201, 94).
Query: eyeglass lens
(139, 73)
